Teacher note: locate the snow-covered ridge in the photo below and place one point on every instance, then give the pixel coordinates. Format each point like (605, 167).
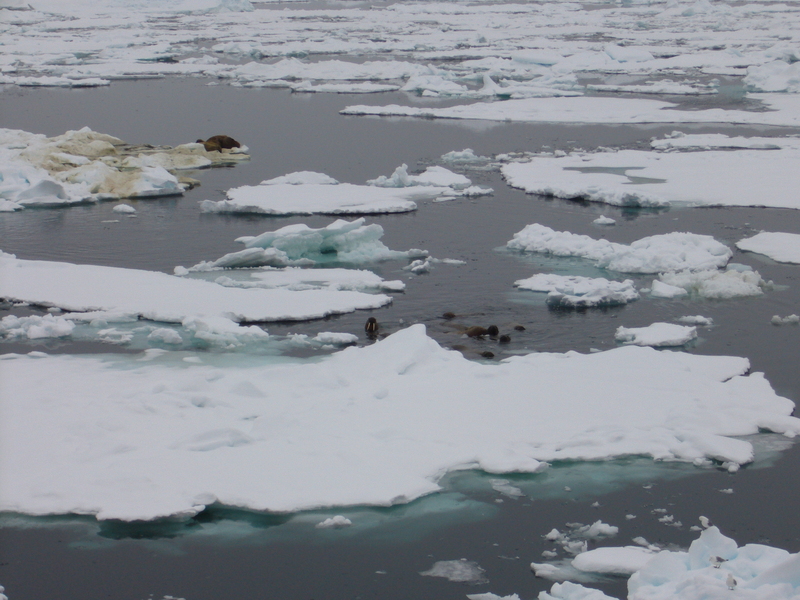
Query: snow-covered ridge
(327, 421)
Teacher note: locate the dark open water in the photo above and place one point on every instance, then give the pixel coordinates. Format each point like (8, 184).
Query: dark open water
(227, 554)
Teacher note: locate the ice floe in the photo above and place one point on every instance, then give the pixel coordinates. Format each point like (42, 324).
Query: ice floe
(654, 254)
(580, 292)
(460, 571)
(715, 285)
(348, 242)
(714, 567)
(706, 141)
(657, 334)
(782, 247)
(183, 425)
(161, 297)
(311, 198)
(86, 166)
(785, 111)
(638, 178)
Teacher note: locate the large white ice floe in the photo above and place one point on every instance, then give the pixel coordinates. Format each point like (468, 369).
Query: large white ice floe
(579, 292)
(713, 568)
(782, 247)
(593, 110)
(138, 438)
(638, 178)
(349, 242)
(161, 297)
(675, 251)
(329, 197)
(86, 166)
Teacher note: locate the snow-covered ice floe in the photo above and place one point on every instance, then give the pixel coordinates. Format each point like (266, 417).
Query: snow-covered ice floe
(738, 282)
(580, 292)
(350, 242)
(781, 247)
(86, 166)
(667, 252)
(330, 197)
(713, 568)
(657, 334)
(639, 178)
(161, 297)
(785, 111)
(678, 140)
(168, 437)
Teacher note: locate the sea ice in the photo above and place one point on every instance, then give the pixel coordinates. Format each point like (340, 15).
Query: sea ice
(86, 166)
(460, 571)
(592, 110)
(657, 334)
(638, 178)
(342, 241)
(716, 285)
(654, 254)
(35, 327)
(619, 561)
(311, 198)
(327, 421)
(336, 522)
(707, 141)
(781, 247)
(580, 292)
(161, 297)
(432, 176)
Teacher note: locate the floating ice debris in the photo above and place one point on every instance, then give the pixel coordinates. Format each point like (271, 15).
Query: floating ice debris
(335, 339)
(717, 285)
(432, 176)
(300, 245)
(572, 591)
(698, 320)
(504, 487)
(296, 279)
(756, 570)
(489, 596)
(637, 178)
(663, 86)
(655, 254)
(124, 208)
(604, 220)
(781, 247)
(459, 571)
(624, 560)
(466, 156)
(337, 522)
(86, 166)
(35, 327)
(165, 468)
(161, 297)
(657, 334)
(314, 198)
(659, 289)
(580, 292)
(790, 320)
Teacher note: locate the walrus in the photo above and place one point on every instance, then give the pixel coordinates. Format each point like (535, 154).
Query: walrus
(478, 331)
(219, 142)
(371, 326)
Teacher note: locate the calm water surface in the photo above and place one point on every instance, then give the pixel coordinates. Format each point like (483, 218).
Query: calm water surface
(234, 554)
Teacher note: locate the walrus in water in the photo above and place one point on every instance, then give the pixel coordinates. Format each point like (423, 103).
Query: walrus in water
(219, 142)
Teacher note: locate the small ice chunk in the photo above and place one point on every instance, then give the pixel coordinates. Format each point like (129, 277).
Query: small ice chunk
(459, 571)
(604, 220)
(124, 208)
(657, 334)
(336, 522)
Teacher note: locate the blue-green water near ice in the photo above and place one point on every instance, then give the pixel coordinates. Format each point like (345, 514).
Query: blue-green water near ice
(226, 553)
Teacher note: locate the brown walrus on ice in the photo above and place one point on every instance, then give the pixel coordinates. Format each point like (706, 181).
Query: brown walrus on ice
(219, 142)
